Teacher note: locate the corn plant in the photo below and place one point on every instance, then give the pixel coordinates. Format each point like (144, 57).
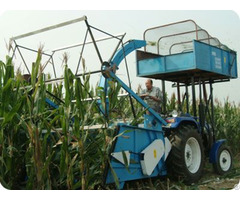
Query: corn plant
(12, 137)
(227, 124)
(46, 148)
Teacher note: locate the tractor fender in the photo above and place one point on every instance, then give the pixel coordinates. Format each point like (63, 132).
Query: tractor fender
(183, 120)
(214, 150)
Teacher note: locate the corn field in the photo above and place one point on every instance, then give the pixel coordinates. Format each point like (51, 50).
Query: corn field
(46, 148)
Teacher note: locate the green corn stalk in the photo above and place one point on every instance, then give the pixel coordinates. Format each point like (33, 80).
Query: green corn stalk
(10, 103)
(71, 158)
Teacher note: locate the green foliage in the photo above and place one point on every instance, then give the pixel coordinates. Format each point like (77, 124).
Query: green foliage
(45, 148)
(227, 120)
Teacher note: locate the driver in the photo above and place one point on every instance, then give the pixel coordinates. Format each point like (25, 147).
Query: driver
(152, 96)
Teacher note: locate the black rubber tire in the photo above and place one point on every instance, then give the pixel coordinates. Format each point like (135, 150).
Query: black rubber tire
(216, 166)
(176, 165)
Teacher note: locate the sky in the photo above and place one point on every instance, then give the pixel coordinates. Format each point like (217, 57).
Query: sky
(225, 25)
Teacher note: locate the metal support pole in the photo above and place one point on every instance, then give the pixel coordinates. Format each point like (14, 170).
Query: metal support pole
(187, 99)
(193, 97)
(201, 108)
(204, 92)
(54, 70)
(212, 111)
(80, 58)
(179, 97)
(200, 91)
(50, 58)
(129, 81)
(50, 81)
(87, 42)
(94, 42)
(119, 43)
(164, 97)
(33, 50)
(22, 58)
(14, 50)
(129, 84)
(50, 28)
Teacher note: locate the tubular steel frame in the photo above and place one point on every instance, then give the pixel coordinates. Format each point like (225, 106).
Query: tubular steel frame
(196, 30)
(51, 58)
(166, 25)
(208, 99)
(92, 41)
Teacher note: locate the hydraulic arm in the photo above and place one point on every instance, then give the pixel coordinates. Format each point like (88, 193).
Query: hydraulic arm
(109, 72)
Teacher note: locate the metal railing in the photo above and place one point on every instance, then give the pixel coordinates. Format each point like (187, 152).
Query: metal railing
(176, 36)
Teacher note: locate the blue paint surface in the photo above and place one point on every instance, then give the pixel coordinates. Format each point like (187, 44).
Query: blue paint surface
(214, 150)
(204, 57)
(135, 140)
(51, 103)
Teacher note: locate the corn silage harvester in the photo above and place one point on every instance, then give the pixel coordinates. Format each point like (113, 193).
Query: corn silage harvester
(175, 143)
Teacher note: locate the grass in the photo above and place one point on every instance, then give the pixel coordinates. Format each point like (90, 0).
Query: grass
(45, 148)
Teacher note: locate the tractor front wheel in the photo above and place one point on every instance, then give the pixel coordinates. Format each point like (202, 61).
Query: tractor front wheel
(186, 159)
(224, 160)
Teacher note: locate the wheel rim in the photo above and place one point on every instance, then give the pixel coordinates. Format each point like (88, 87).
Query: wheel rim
(225, 160)
(192, 155)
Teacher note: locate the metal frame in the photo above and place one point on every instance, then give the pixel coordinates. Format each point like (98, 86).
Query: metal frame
(156, 27)
(166, 25)
(84, 18)
(51, 56)
(209, 104)
(177, 34)
(201, 40)
(196, 30)
(85, 42)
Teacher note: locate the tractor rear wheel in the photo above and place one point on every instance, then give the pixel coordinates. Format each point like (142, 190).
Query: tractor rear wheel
(186, 159)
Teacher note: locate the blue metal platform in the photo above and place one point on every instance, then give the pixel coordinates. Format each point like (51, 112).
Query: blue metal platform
(204, 61)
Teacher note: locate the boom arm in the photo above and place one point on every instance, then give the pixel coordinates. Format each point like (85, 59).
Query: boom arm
(109, 70)
(131, 46)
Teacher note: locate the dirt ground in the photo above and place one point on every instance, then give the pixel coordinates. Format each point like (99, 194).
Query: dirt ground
(221, 184)
(213, 181)
(209, 181)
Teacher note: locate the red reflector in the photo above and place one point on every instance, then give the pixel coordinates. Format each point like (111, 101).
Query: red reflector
(172, 120)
